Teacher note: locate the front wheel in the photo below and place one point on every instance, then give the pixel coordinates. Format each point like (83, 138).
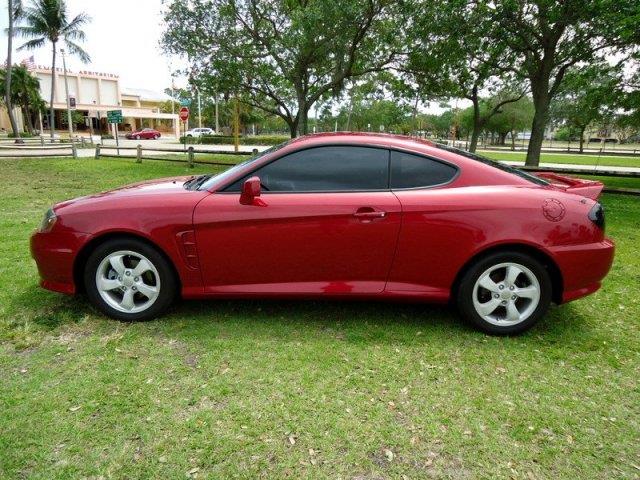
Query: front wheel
(505, 293)
(129, 280)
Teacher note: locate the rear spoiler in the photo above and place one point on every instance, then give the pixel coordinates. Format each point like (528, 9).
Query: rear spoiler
(587, 188)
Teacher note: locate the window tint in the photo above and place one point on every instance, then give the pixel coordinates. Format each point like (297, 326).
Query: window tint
(334, 168)
(411, 171)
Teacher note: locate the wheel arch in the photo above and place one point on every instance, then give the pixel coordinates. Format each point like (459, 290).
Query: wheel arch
(84, 253)
(549, 263)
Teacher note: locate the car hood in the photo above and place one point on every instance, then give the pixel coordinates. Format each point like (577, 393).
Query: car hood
(151, 190)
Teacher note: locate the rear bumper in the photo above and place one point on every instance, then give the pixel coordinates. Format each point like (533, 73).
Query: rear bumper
(55, 253)
(583, 267)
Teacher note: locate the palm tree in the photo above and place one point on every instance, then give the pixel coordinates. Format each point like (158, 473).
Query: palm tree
(25, 93)
(13, 10)
(48, 20)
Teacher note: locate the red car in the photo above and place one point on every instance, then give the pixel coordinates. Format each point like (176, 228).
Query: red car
(336, 216)
(144, 134)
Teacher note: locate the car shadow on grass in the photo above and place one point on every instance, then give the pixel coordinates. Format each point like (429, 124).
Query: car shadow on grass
(352, 321)
(346, 320)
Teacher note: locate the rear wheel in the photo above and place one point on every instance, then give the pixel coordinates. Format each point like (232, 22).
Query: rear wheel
(129, 280)
(137, 137)
(505, 293)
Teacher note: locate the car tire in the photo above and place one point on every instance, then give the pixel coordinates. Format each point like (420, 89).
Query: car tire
(155, 137)
(137, 137)
(504, 293)
(129, 280)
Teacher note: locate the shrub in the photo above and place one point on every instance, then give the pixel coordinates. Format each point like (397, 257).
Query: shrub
(22, 135)
(108, 136)
(228, 140)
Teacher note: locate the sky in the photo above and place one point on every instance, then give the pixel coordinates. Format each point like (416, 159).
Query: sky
(122, 38)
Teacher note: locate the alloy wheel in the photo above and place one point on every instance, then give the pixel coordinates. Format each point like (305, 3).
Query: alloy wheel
(506, 294)
(128, 281)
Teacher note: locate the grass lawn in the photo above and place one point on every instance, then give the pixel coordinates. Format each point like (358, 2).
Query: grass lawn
(564, 158)
(247, 389)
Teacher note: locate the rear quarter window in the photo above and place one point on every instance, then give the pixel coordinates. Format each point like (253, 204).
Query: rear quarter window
(415, 171)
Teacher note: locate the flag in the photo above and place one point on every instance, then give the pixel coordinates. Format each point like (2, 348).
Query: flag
(29, 63)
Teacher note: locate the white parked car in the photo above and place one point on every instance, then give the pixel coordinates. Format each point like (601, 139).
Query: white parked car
(198, 132)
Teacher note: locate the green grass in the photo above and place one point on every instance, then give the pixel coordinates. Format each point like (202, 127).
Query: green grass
(246, 389)
(569, 159)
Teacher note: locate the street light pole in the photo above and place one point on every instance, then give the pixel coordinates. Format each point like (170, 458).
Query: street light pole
(217, 125)
(173, 104)
(66, 91)
(199, 109)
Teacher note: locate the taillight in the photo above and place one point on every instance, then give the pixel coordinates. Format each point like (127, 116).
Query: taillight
(596, 215)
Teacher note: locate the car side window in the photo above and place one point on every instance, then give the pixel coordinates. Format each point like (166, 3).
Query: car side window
(415, 171)
(325, 169)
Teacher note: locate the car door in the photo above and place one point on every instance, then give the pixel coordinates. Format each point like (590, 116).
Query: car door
(433, 240)
(326, 224)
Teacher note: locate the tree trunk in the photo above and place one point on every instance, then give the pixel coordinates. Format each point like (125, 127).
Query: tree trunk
(477, 126)
(304, 122)
(541, 100)
(7, 92)
(52, 122)
(582, 139)
(513, 140)
(474, 139)
(293, 126)
(26, 114)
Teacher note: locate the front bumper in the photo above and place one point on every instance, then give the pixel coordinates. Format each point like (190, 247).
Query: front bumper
(583, 267)
(55, 253)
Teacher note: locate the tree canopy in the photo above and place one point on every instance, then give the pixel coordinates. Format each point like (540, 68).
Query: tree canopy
(280, 56)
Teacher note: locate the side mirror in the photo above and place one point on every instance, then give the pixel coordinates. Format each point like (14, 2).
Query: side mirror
(250, 191)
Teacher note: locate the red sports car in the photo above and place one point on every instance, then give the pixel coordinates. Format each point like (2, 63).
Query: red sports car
(336, 216)
(144, 134)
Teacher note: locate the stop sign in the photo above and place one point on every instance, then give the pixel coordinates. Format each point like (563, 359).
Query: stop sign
(184, 114)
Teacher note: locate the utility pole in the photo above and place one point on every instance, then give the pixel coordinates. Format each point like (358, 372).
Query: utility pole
(173, 104)
(236, 124)
(66, 91)
(199, 109)
(217, 125)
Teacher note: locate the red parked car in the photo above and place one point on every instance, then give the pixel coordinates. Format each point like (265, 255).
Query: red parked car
(144, 134)
(336, 216)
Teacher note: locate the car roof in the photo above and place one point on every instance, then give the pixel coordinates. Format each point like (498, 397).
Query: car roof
(386, 140)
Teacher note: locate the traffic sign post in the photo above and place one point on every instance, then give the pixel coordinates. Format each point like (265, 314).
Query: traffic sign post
(115, 117)
(184, 116)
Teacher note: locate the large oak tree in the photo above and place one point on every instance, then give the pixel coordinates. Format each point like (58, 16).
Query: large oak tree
(548, 37)
(281, 56)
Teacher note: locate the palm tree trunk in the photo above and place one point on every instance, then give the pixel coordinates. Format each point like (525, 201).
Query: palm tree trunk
(52, 121)
(7, 92)
(26, 114)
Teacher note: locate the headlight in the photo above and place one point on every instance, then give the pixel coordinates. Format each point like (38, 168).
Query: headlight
(48, 221)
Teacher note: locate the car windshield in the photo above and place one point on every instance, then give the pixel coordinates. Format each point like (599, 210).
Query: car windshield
(217, 179)
(499, 165)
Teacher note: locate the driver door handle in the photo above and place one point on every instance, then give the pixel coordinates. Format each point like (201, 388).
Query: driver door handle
(369, 213)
